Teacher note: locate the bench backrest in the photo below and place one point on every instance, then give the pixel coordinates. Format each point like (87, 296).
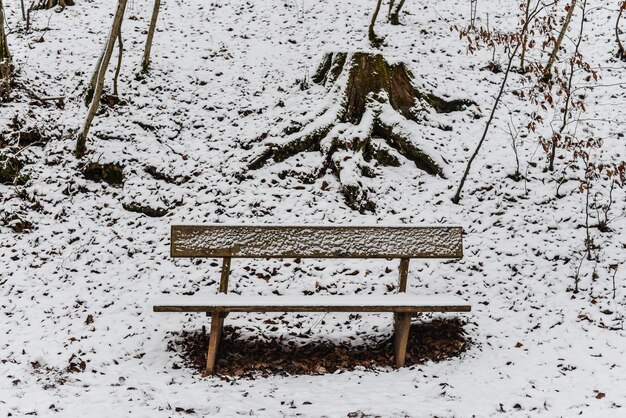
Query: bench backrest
(316, 241)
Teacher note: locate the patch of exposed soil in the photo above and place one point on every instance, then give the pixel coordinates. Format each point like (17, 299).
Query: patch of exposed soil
(110, 173)
(436, 340)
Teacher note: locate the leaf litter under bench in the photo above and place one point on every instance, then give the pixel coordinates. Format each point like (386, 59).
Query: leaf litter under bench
(436, 340)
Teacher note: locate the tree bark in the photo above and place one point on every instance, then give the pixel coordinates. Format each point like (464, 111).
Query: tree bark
(559, 41)
(375, 40)
(105, 57)
(145, 64)
(118, 67)
(394, 16)
(457, 195)
(522, 60)
(103, 64)
(568, 90)
(6, 67)
(621, 51)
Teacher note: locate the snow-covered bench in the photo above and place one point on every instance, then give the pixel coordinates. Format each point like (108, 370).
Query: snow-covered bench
(227, 242)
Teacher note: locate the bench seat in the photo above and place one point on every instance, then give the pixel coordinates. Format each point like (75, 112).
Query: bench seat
(399, 303)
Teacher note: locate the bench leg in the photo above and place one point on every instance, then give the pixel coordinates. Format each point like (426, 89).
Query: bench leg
(217, 321)
(402, 324)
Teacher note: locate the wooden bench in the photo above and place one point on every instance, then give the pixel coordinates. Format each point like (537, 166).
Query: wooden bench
(228, 242)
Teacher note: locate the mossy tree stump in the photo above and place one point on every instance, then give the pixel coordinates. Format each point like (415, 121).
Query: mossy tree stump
(374, 110)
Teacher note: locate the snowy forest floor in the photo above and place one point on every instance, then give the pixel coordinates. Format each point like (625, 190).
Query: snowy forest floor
(78, 270)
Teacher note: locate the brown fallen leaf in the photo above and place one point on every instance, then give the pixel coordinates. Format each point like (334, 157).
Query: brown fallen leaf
(600, 395)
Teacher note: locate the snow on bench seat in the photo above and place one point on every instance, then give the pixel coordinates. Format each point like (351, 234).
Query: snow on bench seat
(315, 303)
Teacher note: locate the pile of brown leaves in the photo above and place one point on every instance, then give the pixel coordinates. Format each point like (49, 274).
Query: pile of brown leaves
(435, 340)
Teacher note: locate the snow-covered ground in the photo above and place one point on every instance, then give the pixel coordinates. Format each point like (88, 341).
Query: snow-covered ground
(219, 72)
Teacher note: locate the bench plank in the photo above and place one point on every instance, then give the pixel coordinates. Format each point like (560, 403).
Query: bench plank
(316, 241)
(298, 303)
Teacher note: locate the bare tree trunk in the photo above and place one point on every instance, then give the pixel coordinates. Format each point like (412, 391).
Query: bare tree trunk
(559, 41)
(457, 195)
(99, 84)
(5, 57)
(145, 64)
(621, 51)
(569, 90)
(94, 78)
(370, 34)
(391, 3)
(522, 59)
(120, 52)
(105, 57)
(28, 11)
(394, 16)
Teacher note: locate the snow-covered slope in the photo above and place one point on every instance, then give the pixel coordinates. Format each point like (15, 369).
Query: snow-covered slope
(222, 73)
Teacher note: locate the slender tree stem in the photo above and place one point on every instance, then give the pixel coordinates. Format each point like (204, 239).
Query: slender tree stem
(4, 47)
(522, 60)
(371, 34)
(394, 17)
(120, 45)
(568, 95)
(588, 240)
(5, 57)
(536, 10)
(557, 45)
(145, 64)
(457, 196)
(621, 52)
(99, 85)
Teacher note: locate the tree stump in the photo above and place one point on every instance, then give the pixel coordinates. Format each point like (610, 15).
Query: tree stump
(374, 109)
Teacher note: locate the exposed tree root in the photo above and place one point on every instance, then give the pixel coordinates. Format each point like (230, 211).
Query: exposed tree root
(375, 100)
